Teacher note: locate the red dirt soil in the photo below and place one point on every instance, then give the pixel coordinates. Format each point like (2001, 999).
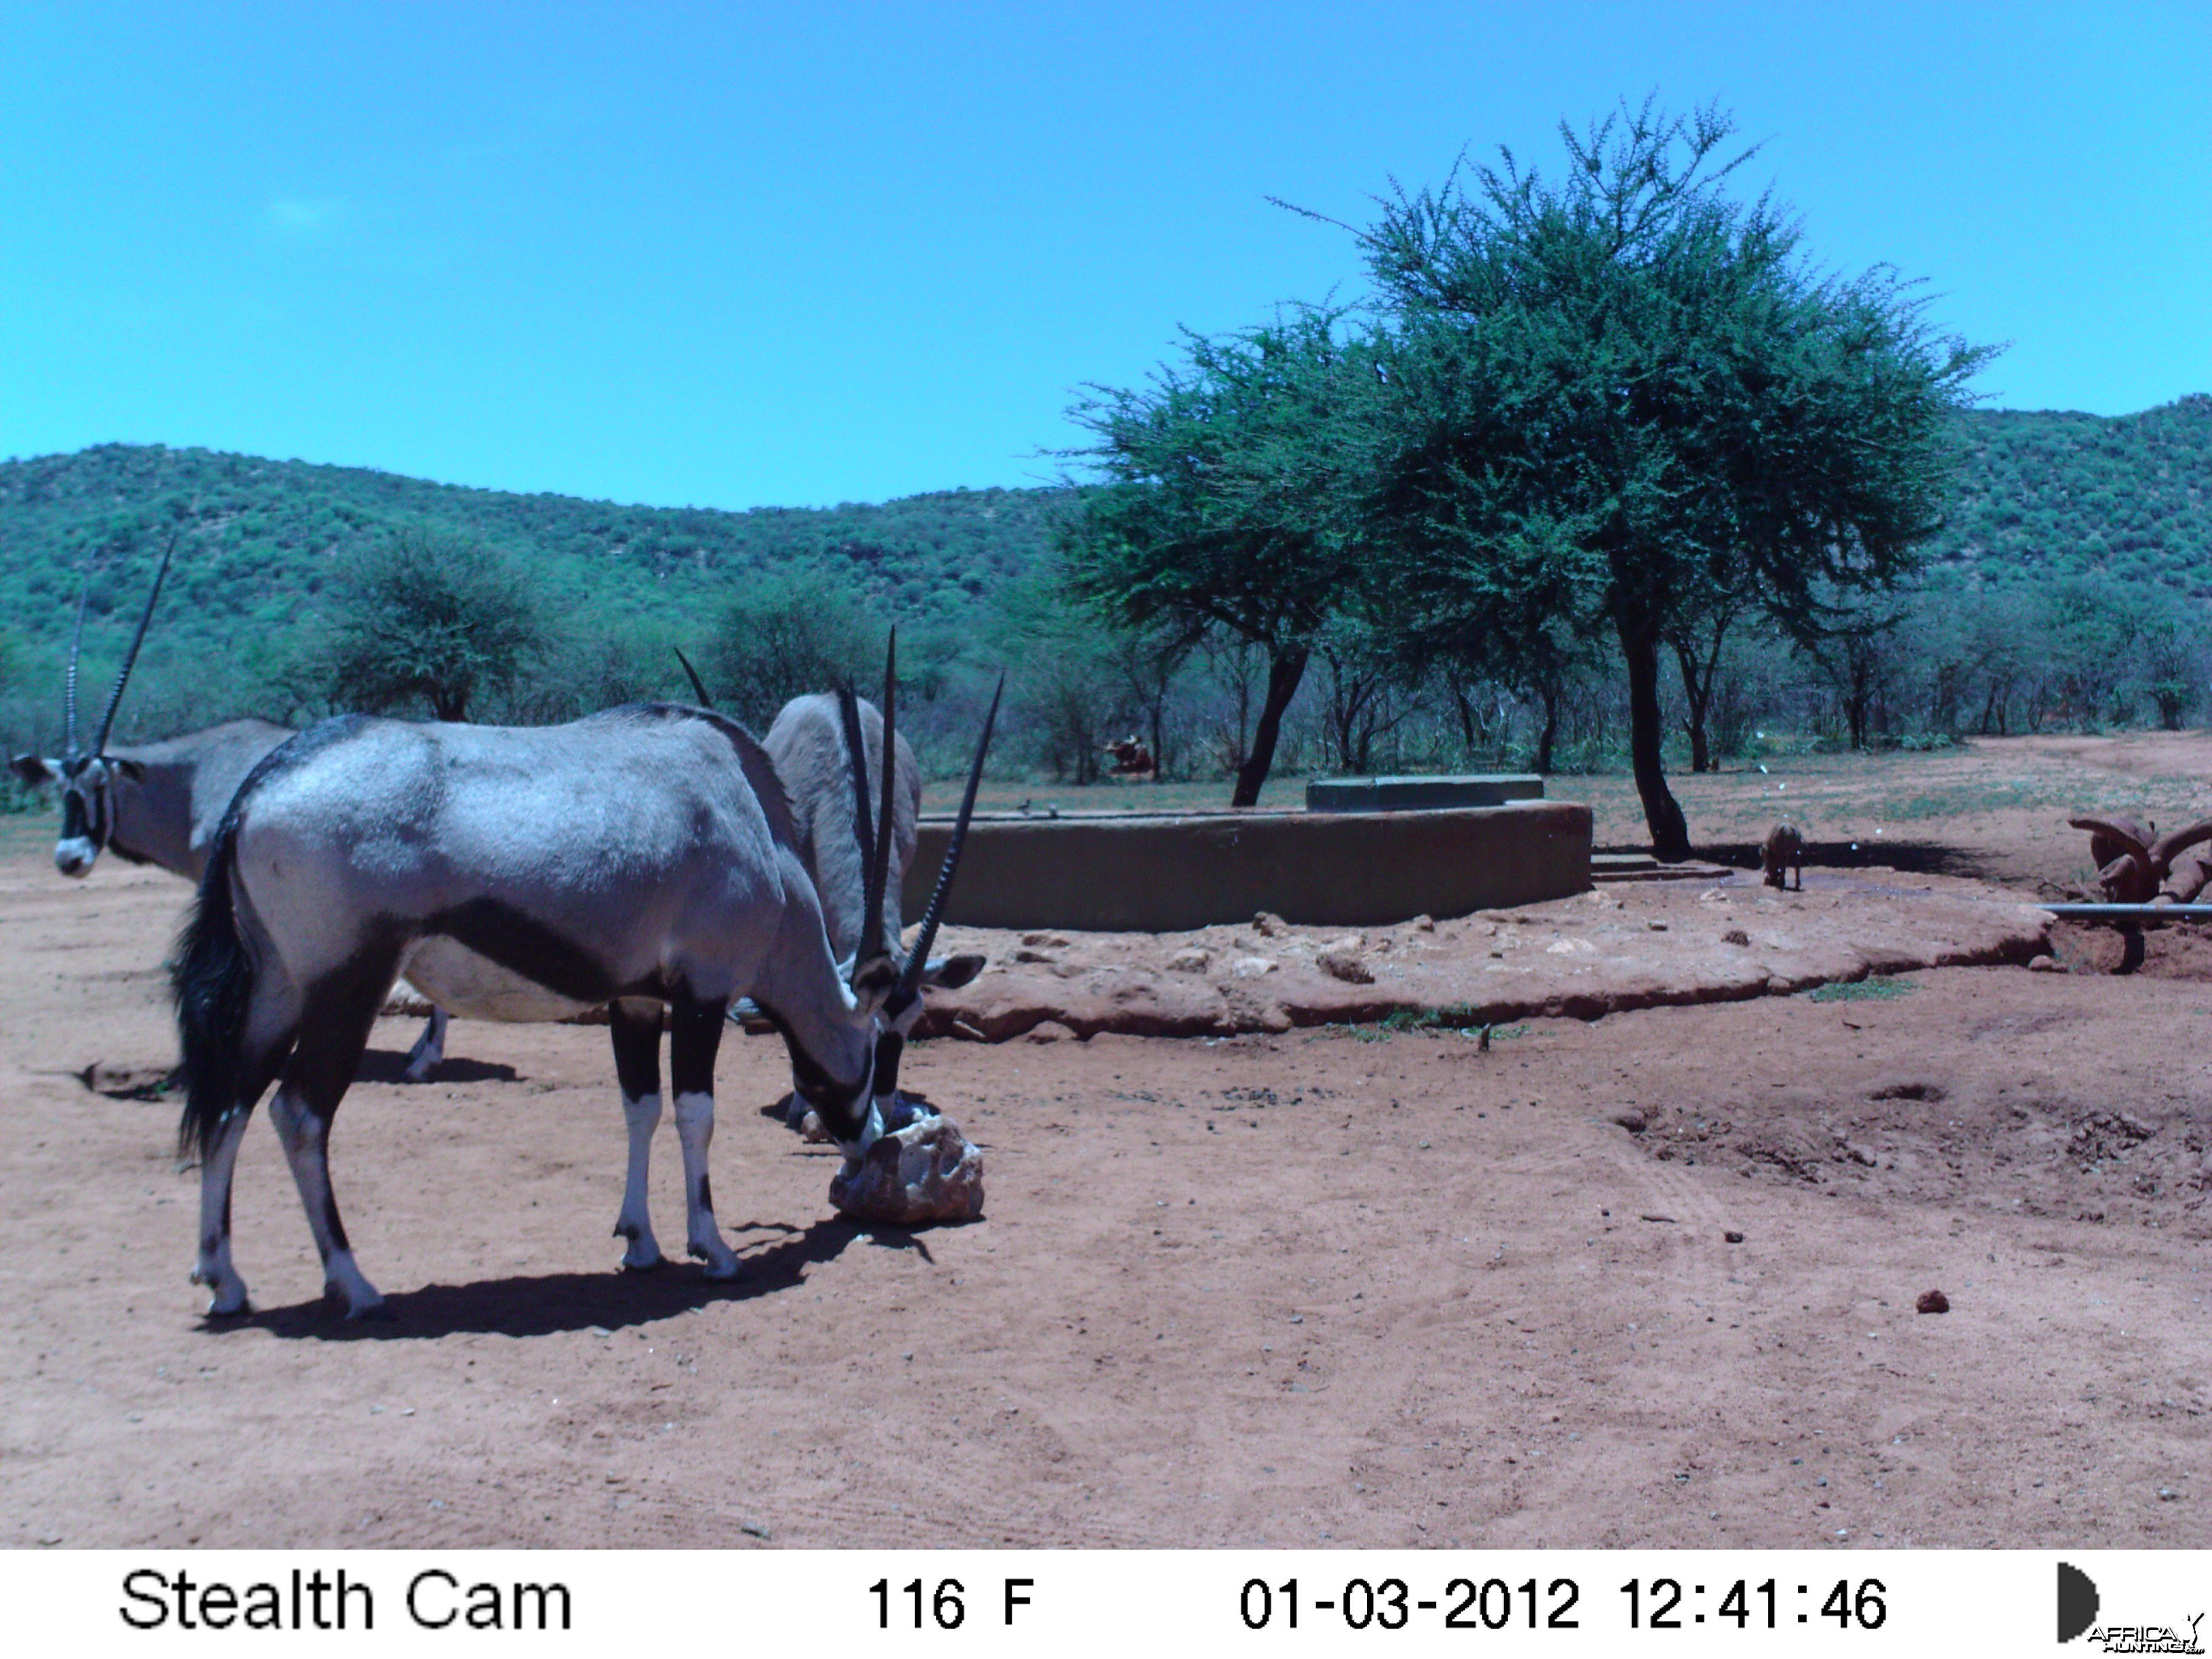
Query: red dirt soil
(1322, 1285)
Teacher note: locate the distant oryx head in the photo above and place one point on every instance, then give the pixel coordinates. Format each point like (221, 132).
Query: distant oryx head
(87, 778)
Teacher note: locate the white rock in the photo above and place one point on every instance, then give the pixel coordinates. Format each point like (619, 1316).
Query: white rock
(926, 1172)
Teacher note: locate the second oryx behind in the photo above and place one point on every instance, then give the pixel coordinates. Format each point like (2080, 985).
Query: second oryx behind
(160, 803)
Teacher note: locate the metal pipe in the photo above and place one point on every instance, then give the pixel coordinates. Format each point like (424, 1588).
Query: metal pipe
(2129, 912)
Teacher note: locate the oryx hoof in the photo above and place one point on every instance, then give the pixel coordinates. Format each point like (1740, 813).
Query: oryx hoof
(419, 1071)
(229, 1299)
(353, 1304)
(643, 1254)
(721, 1261)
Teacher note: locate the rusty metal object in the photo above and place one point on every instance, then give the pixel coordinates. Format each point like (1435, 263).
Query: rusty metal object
(2132, 868)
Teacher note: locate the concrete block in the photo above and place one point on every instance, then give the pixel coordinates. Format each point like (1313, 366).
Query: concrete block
(1135, 872)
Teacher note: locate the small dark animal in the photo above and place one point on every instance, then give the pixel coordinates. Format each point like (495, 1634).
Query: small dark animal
(1784, 849)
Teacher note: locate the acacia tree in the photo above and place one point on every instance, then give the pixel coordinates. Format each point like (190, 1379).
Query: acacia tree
(799, 629)
(1642, 369)
(1230, 505)
(428, 617)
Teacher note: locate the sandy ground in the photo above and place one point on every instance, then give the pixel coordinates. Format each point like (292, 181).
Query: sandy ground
(1328, 1284)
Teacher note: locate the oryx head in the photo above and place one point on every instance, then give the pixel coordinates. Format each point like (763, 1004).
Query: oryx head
(883, 977)
(87, 778)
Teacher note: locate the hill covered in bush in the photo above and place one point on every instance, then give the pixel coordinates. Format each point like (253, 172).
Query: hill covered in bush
(266, 534)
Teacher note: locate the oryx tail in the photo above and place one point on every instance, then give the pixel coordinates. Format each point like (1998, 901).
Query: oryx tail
(212, 976)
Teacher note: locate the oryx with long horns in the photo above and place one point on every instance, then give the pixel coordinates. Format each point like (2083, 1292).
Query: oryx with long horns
(641, 859)
(160, 803)
(826, 747)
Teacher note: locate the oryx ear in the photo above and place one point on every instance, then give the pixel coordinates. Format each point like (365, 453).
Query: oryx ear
(32, 769)
(134, 770)
(951, 973)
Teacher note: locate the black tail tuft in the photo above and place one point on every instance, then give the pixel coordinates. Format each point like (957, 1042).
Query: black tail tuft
(212, 980)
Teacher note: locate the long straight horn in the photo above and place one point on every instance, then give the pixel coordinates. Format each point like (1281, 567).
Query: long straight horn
(69, 674)
(879, 870)
(697, 684)
(848, 712)
(909, 985)
(115, 697)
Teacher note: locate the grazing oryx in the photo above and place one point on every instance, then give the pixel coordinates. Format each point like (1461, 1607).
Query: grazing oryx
(824, 776)
(641, 858)
(161, 802)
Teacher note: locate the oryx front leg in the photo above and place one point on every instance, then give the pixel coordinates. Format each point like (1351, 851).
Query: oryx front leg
(696, 1034)
(636, 1031)
(429, 1048)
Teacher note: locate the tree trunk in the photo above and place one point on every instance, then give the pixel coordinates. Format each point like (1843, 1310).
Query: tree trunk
(1465, 705)
(1285, 669)
(1694, 698)
(1670, 833)
(1550, 692)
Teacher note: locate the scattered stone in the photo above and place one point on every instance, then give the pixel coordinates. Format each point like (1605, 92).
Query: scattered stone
(1425, 924)
(1050, 1030)
(1191, 959)
(1933, 1302)
(1655, 925)
(2044, 965)
(1028, 953)
(2166, 1493)
(1347, 966)
(925, 1172)
(1632, 1119)
(752, 1530)
(1735, 936)
(1268, 925)
(1732, 1237)
(1251, 967)
(1664, 1220)
(1057, 941)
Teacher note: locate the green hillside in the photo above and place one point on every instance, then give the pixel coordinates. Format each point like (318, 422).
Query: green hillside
(2048, 494)
(268, 531)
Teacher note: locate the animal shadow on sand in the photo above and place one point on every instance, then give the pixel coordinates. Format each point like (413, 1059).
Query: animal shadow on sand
(390, 1066)
(544, 1305)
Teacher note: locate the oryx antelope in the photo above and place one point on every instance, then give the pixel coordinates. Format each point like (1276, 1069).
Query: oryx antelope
(826, 747)
(161, 802)
(642, 858)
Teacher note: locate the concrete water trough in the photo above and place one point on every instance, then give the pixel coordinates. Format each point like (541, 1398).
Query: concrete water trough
(1410, 794)
(1167, 873)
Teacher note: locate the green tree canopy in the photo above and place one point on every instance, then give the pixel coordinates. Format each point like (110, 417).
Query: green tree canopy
(1232, 499)
(428, 617)
(789, 632)
(1623, 397)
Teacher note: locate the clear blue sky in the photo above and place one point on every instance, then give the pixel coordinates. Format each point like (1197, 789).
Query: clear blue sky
(797, 254)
